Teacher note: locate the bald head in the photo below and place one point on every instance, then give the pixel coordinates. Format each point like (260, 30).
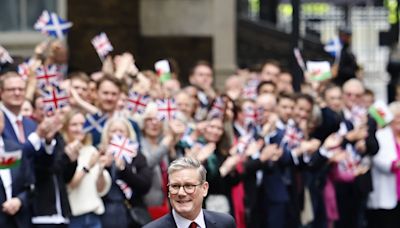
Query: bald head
(353, 90)
(267, 103)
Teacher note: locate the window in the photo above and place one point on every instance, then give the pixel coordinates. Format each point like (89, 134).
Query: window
(17, 18)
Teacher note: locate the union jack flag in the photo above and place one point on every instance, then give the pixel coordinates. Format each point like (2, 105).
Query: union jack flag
(250, 90)
(95, 121)
(251, 116)
(358, 115)
(136, 103)
(52, 25)
(243, 142)
(24, 70)
(47, 75)
(5, 56)
(166, 109)
(102, 45)
(54, 98)
(124, 148)
(292, 137)
(42, 21)
(124, 188)
(217, 108)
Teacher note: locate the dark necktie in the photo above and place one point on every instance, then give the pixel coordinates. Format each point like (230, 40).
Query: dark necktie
(193, 225)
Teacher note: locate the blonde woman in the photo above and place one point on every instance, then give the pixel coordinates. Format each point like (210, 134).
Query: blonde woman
(90, 181)
(134, 178)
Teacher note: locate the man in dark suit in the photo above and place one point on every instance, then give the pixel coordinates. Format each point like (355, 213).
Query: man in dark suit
(15, 184)
(12, 92)
(186, 190)
(109, 90)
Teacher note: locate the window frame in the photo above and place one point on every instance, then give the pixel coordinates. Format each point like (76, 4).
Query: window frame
(22, 43)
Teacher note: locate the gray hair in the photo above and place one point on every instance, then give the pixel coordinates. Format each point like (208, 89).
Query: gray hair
(187, 163)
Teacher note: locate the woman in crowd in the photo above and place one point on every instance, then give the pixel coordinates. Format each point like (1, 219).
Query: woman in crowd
(130, 181)
(90, 181)
(383, 201)
(157, 147)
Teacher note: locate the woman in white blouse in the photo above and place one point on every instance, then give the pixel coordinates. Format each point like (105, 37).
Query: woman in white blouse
(91, 181)
(383, 201)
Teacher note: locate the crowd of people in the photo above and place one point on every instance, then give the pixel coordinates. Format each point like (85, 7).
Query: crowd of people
(273, 157)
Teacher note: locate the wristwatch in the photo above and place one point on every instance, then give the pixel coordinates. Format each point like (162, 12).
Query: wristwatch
(86, 170)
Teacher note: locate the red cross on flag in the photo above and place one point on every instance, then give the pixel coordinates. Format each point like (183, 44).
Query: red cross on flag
(166, 109)
(47, 75)
(250, 89)
(124, 188)
(102, 45)
(250, 116)
(136, 103)
(217, 108)
(123, 148)
(54, 98)
(292, 137)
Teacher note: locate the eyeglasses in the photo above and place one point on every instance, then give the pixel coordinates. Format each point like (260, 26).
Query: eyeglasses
(14, 89)
(188, 188)
(350, 94)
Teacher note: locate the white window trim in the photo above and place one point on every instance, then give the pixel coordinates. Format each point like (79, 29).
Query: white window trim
(22, 43)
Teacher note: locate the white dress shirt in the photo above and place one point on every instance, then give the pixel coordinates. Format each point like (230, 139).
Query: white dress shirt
(5, 175)
(182, 222)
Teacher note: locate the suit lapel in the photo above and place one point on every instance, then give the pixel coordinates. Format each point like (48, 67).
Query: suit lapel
(209, 220)
(9, 132)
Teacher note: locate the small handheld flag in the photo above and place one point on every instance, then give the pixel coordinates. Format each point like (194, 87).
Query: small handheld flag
(9, 159)
(217, 108)
(163, 70)
(334, 47)
(52, 24)
(136, 103)
(292, 137)
(124, 148)
(250, 89)
(124, 188)
(380, 112)
(166, 109)
(102, 45)
(46, 75)
(54, 98)
(95, 121)
(5, 56)
(319, 70)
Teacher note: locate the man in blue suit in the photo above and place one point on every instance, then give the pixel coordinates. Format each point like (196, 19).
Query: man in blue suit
(186, 190)
(15, 186)
(17, 127)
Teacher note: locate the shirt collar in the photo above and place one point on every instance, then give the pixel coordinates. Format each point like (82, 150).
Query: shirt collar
(239, 128)
(10, 115)
(182, 222)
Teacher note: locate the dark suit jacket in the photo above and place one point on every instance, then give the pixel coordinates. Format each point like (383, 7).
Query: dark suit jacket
(212, 220)
(9, 134)
(21, 182)
(52, 173)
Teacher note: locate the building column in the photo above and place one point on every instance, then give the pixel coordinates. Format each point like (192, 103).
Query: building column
(224, 40)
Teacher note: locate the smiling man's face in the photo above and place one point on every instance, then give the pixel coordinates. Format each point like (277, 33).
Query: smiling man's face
(187, 205)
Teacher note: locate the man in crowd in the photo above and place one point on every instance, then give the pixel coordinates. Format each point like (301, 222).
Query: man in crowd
(187, 187)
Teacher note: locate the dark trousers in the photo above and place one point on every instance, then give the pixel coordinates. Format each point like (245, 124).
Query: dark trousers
(351, 205)
(384, 218)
